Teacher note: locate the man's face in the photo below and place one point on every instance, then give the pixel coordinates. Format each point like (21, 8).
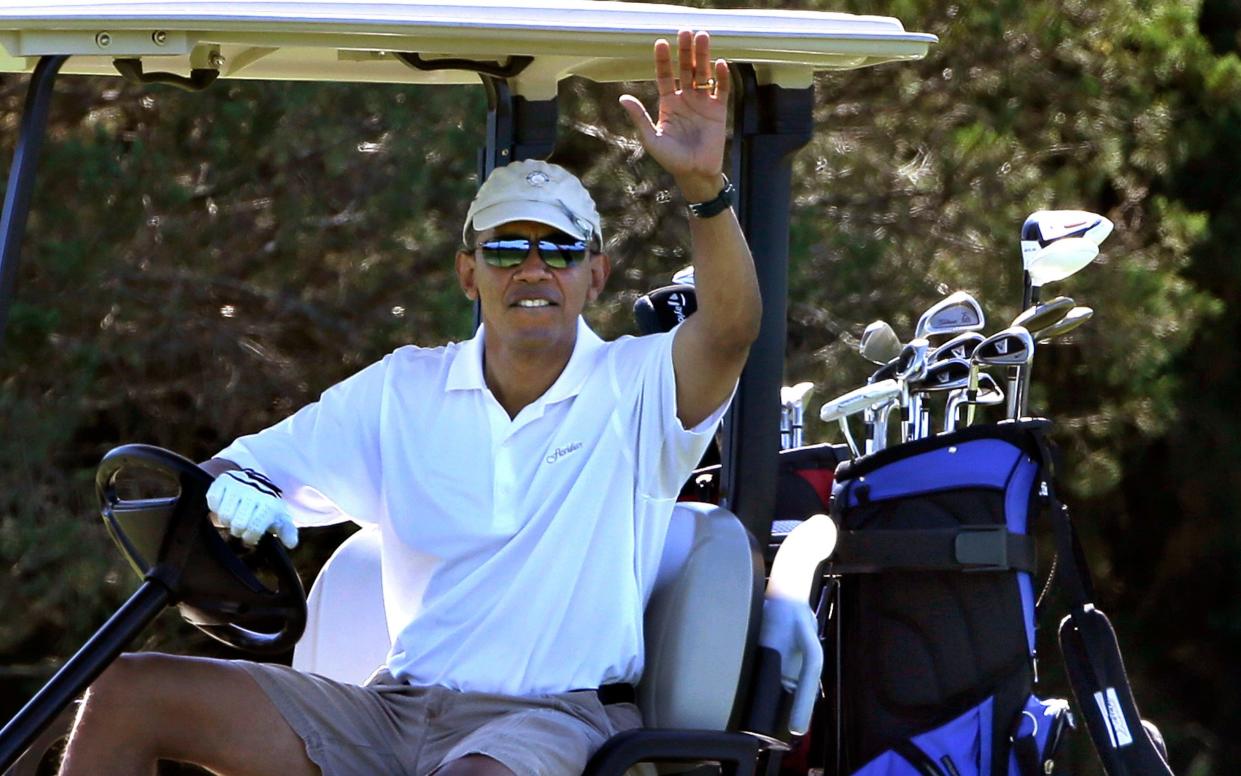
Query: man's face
(531, 304)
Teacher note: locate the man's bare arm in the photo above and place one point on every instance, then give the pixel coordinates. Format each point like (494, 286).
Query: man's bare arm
(217, 466)
(688, 141)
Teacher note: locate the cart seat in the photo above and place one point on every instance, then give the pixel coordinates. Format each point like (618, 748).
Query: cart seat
(700, 624)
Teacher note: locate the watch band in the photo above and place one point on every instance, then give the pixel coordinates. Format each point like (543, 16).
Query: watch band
(713, 207)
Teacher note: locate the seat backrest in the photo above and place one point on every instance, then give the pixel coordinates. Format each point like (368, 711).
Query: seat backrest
(701, 622)
(346, 634)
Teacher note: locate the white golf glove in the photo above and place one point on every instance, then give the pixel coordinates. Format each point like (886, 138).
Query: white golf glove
(248, 505)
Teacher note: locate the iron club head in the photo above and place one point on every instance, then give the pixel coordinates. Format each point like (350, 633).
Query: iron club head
(1044, 314)
(958, 312)
(1074, 318)
(960, 346)
(1011, 347)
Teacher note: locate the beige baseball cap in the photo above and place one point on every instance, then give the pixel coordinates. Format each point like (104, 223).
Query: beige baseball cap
(534, 190)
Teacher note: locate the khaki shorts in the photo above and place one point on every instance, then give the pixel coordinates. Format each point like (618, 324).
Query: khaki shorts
(389, 727)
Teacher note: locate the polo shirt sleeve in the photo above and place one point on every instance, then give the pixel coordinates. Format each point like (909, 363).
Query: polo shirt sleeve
(666, 451)
(325, 456)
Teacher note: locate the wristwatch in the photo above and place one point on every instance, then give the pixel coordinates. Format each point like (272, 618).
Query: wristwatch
(713, 207)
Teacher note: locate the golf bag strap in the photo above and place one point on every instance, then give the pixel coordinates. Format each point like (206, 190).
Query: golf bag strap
(1072, 571)
(1092, 655)
(964, 548)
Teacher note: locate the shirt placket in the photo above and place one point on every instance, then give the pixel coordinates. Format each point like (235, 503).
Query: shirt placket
(504, 472)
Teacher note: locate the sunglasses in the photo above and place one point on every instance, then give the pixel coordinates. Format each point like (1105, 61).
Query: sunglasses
(558, 251)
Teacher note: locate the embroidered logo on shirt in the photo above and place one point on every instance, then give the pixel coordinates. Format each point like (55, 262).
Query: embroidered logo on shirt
(561, 452)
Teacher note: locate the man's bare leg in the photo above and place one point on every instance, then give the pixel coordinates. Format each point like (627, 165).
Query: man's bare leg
(147, 707)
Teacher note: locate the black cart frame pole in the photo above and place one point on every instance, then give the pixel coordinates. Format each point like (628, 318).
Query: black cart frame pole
(21, 178)
(517, 128)
(770, 124)
(83, 668)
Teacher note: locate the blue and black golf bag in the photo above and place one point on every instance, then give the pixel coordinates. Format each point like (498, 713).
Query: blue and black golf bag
(936, 615)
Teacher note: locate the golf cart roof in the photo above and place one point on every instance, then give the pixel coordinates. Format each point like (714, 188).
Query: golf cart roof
(333, 40)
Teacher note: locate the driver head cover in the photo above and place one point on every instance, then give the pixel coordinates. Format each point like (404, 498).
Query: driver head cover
(534, 190)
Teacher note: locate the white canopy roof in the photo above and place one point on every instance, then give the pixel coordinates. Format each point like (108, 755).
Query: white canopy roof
(338, 40)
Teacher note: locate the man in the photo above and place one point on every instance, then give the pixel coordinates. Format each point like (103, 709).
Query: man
(522, 481)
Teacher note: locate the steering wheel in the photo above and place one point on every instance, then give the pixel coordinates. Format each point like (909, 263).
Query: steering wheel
(250, 598)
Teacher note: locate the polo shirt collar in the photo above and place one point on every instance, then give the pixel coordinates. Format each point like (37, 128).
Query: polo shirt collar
(466, 371)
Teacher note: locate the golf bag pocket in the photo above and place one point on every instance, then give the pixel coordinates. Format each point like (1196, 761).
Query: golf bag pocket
(962, 745)
(936, 616)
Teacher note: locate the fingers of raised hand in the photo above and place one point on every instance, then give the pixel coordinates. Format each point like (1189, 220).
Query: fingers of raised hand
(685, 59)
(702, 58)
(665, 81)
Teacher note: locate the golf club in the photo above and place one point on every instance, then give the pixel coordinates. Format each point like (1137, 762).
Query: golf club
(792, 414)
(988, 393)
(1011, 347)
(879, 343)
(857, 400)
(947, 375)
(1044, 228)
(1074, 318)
(956, 313)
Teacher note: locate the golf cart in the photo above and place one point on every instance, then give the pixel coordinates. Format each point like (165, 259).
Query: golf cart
(737, 713)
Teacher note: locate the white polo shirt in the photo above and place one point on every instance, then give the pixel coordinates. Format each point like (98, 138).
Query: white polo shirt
(518, 554)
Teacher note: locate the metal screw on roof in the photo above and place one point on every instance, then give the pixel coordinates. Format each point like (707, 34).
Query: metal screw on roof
(103, 40)
(215, 59)
(159, 37)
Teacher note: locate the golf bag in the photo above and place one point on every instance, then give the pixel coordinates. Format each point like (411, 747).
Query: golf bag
(937, 612)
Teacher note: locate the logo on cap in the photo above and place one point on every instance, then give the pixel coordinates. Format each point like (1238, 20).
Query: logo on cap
(538, 178)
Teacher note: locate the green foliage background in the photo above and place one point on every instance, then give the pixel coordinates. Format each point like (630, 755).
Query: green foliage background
(199, 266)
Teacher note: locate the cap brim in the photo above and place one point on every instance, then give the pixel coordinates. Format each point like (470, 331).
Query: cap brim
(526, 210)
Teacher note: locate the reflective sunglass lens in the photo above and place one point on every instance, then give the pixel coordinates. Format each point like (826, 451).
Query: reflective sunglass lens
(508, 252)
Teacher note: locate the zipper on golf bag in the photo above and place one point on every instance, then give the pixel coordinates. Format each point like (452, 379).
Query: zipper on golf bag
(937, 608)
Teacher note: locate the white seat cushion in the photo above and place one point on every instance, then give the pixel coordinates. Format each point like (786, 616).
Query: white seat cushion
(698, 621)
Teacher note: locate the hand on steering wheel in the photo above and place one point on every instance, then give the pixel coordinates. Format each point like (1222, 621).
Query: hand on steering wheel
(249, 505)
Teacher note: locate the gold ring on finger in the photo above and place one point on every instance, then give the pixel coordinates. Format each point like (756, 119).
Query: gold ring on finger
(710, 84)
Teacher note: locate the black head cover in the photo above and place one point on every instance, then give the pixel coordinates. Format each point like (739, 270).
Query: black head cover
(1122, 739)
(664, 308)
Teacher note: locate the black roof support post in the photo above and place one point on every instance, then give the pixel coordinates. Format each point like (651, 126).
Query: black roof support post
(21, 178)
(517, 128)
(770, 123)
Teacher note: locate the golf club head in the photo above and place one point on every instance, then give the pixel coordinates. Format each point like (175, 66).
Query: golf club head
(1074, 318)
(885, 372)
(958, 312)
(911, 363)
(879, 343)
(791, 395)
(989, 391)
(1011, 347)
(1059, 260)
(1044, 314)
(960, 346)
(1044, 227)
(859, 399)
(946, 375)
(664, 308)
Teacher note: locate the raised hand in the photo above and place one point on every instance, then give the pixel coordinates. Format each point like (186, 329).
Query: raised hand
(688, 138)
